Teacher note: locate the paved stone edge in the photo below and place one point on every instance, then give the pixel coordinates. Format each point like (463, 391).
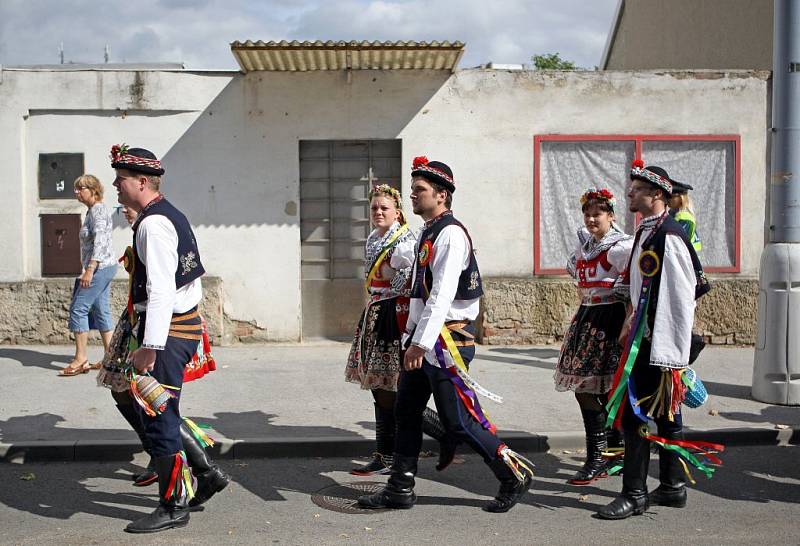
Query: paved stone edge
(338, 446)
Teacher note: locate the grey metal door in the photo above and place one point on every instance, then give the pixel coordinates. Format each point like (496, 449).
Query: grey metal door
(335, 178)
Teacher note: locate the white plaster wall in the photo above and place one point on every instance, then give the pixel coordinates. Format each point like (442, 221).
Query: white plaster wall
(229, 143)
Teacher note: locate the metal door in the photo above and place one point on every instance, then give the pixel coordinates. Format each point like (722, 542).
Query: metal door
(335, 178)
(61, 247)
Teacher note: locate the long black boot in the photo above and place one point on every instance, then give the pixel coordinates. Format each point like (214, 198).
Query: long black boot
(172, 510)
(132, 417)
(633, 499)
(210, 479)
(433, 427)
(399, 490)
(595, 467)
(381, 462)
(513, 484)
(672, 489)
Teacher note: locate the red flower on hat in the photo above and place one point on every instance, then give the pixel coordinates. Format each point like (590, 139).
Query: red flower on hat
(420, 161)
(638, 163)
(118, 150)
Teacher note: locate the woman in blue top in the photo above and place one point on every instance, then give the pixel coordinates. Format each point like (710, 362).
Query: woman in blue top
(90, 308)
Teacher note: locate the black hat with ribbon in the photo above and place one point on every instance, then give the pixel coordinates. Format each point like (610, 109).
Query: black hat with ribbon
(434, 171)
(656, 176)
(135, 159)
(679, 188)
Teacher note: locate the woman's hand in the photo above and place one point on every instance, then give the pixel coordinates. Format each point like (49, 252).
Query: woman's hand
(86, 278)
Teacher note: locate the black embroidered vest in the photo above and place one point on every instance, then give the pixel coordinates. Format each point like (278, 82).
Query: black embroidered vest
(470, 285)
(657, 244)
(189, 265)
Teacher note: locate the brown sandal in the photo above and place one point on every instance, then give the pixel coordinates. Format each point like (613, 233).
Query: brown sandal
(96, 365)
(69, 371)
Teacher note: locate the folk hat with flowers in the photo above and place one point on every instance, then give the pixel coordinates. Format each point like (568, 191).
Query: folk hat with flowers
(656, 176)
(135, 159)
(434, 171)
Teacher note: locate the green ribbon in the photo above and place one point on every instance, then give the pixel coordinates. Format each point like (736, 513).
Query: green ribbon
(618, 397)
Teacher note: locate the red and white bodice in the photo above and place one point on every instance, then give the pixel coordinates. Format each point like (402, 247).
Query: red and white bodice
(598, 266)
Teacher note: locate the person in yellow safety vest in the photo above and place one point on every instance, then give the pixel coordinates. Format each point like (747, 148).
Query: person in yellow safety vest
(680, 208)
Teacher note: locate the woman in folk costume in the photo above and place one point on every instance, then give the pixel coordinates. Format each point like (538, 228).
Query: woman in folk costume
(590, 352)
(375, 357)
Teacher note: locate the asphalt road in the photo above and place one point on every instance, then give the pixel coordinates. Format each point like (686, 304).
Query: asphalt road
(753, 498)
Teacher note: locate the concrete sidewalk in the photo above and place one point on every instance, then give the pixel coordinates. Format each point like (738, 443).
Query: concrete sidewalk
(291, 400)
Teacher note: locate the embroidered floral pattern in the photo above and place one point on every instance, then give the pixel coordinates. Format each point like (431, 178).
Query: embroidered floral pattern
(188, 262)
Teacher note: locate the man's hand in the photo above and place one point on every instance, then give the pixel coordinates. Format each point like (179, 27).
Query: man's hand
(144, 360)
(413, 358)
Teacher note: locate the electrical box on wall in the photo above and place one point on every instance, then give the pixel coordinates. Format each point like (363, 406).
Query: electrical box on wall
(57, 172)
(61, 247)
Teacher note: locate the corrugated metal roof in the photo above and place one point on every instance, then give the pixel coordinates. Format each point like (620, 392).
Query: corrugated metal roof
(310, 56)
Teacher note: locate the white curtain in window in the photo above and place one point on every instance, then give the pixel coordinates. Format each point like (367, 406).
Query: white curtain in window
(708, 166)
(566, 170)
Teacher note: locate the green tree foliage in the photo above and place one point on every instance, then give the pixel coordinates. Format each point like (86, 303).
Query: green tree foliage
(552, 61)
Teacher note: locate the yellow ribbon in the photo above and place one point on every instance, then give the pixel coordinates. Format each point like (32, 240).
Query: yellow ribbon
(379, 261)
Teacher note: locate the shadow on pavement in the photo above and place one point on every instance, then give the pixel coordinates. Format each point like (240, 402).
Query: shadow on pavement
(743, 392)
(61, 490)
(28, 357)
(498, 355)
(43, 426)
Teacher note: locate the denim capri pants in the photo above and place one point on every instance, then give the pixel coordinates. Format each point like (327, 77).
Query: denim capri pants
(90, 308)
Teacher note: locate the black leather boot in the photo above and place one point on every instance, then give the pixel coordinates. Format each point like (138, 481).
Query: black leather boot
(595, 467)
(399, 490)
(210, 479)
(511, 488)
(672, 489)
(433, 427)
(132, 417)
(633, 499)
(172, 512)
(384, 443)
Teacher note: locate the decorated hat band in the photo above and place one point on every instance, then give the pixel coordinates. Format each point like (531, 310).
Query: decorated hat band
(640, 172)
(135, 159)
(434, 171)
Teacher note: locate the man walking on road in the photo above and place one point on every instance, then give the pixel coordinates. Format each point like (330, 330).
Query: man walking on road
(165, 292)
(665, 278)
(440, 338)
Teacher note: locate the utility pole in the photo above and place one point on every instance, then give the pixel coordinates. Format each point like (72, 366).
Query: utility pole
(776, 366)
(105, 55)
(61, 52)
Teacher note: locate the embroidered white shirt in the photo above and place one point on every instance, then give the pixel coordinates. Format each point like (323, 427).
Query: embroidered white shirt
(672, 329)
(450, 257)
(157, 247)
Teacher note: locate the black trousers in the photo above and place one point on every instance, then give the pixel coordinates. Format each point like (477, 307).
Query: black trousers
(413, 392)
(163, 431)
(646, 379)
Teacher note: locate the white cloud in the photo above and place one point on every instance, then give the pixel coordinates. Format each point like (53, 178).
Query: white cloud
(198, 32)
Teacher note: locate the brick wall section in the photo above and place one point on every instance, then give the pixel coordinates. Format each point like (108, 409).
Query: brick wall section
(36, 312)
(538, 311)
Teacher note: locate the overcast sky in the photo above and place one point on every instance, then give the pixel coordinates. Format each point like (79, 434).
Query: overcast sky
(198, 32)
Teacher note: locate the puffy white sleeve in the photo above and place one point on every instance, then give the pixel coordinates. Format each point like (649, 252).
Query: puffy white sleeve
(672, 330)
(157, 247)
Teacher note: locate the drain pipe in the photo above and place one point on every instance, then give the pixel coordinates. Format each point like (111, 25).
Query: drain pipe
(776, 367)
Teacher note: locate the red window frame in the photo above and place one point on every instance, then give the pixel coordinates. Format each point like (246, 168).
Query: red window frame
(638, 140)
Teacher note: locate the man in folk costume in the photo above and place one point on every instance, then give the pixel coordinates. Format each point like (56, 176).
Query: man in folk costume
(446, 290)
(665, 278)
(165, 292)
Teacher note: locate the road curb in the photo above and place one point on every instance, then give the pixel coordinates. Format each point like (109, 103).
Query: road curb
(349, 446)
